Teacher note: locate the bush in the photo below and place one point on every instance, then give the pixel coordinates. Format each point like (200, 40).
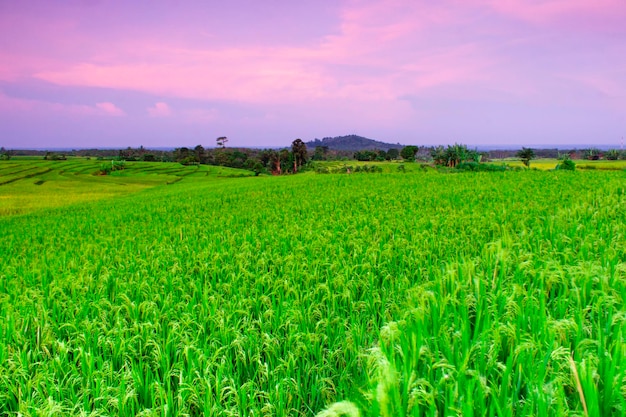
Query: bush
(478, 167)
(190, 160)
(106, 168)
(54, 157)
(567, 165)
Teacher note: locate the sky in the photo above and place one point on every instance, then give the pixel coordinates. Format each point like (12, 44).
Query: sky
(171, 73)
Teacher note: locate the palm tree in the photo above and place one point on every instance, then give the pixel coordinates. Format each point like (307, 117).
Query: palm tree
(298, 148)
(439, 155)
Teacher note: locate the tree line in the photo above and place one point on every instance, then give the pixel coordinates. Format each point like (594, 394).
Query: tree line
(295, 158)
(270, 161)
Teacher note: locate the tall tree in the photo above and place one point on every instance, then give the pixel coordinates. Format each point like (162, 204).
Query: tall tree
(300, 154)
(221, 141)
(526, 155)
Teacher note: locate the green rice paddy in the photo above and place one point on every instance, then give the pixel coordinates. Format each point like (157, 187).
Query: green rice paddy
(164, 290)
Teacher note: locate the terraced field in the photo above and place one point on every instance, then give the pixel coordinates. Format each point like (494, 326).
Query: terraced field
(27, 185)
(415, 293)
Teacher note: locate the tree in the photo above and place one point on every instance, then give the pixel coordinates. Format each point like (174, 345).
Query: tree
(180, 154)
(455, 154)
(526, 155)
(300, 155)
(474, 155)
(236, 159)
(274, 162)
(320, 153)
(392, 154)
(221, 158)
(200, 154)
(408, 152)
(365, 155)
(591, 154)
(438, 154)
(287, 161)
(612, 155)
(221, 141)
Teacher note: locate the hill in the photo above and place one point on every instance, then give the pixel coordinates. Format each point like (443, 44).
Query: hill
(352, 143)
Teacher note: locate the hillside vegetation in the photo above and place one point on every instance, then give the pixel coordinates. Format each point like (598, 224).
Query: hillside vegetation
(352, 143)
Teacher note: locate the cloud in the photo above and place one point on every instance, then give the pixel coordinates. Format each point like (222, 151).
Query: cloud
(370, 56)
(16, 104)
(597, 16)
(160, 109)
(110, 108)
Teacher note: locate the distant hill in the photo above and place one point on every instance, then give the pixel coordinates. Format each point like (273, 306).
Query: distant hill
(351, 143)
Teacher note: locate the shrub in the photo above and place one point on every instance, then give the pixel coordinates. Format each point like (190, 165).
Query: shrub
(566, 164)
(478, 167)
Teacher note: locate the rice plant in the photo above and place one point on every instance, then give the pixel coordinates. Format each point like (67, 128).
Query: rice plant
(410, 293)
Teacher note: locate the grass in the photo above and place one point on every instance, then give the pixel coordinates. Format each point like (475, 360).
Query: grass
(393, 294)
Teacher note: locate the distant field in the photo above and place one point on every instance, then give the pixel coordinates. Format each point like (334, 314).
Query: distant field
(28, 184)
(541, 164)
(385, 167)
(406, 293)
(545, 164)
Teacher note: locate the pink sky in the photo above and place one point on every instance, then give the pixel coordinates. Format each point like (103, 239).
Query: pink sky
(90, 73)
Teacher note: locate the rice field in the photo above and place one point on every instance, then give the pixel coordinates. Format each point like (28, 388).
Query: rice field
(28, 185)
(551, 163)
(415, 293)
